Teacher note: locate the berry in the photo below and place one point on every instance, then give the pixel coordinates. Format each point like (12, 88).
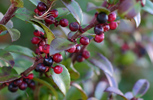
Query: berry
(98, 29)
(30, 76)
(36, 33)
(72, 49)
(99, 38)
(113, 25)
(28, 81)
(41, 43)
(18, 82)
(23, 86)
(84, 40)
(58, 69)
(46, 48)
(40, 13)
(78, 48)
(40, 68)
(12, 87)
(48, 61)
(86, 54)
(102, 18)
(36, 11)
(111, 16)
(31, 84)
(35, 40)
(64, 22)
(57, 57)
(41, 48)
(80, 58)
(49, 20)
(54, 13)
(74, 26)
(41, 6)
(106, 28)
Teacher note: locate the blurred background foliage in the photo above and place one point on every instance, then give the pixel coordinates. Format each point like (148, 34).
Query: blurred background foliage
(130, 65)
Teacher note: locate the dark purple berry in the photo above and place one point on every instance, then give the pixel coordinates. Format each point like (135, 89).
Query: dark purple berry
(64, 22)
(31, 84)
(23, 86)
(48, 61)
(18, 82)
(40, 68)
(41, 6)
(78, 48)
(102, 17)
(80, 58)
(74, 26)
(49, 20)
(98, 29)
(12, 87)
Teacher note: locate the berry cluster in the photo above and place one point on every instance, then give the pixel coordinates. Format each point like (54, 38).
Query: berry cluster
(106, 22)
(22, 83)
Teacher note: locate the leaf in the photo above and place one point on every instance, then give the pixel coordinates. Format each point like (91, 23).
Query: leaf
(35, 2)
(92, 98)
(20, 50)
(45, 83)
(137, 19)
(111, 80)
(24, 14)
(62, 12)
(8, 74)
(50, 35)
(129, 95)
(100, 89)
(116, 91)
(76, 93)
(61, 80)
(74, 74)
(18, 3)
(15, 34)
(7, 57)
(60, 44)
(74, 9)
(91, 6)
(9, 23)
(3, 33)
(148, 7)
(149, 49)
(140, 88)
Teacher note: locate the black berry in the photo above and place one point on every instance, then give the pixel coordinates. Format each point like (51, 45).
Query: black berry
(102, 17)
(23, 86)
(98, 29)
(48, 61)
(12, 87)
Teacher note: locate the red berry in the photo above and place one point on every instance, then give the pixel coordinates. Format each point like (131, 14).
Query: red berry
(31, 84)
(30, 76)
(41, 6)
(40, 13)
(58, 69)
(111, 16)
(54, 13)
(57, 57)
(46, 48)
(78, 48)
(23, 86)
(49, 20)
(36, 33)
(41, 43)
(84, 40)
(18, 82)
(80, 58)
(64, 22)
(41, 48)
(113, 25)
(72, 49)
(36, 11)
(74, 26)
(106, 28)
(98, 29)
(86, 54)
(99, 38)
(102, 17)
(37, 51)
(35, 40)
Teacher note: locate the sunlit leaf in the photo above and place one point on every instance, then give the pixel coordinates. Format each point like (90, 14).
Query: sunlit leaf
(18, 3)
(148, 7)
(137, 19)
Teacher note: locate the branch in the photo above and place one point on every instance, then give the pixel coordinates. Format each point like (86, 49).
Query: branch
(9, 14)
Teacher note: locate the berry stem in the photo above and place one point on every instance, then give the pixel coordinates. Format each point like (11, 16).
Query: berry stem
(9, 14)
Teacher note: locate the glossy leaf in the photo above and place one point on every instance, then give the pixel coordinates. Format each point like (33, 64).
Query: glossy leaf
(74, 9)
(91, 6)
(92, 98)
(111, 80)
(62, 12)
(35, 2)
(129, 95)
(60, 44)
(18, 3)
(48, 85)
(61, 80)
(74, 74)
(116, 91)
(24, 14)
(15, 34)
(3, 33)
(9, 23)
(140, 88)
(7, 57)
(148, 7)
(137, 19)
(8, 74)
(49, 33)
(76, 93)
(20, 50)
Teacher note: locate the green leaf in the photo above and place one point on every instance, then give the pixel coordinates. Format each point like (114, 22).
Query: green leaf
(18, 3)
(91, 6)
(60, 44)
(3, 33)
(35, 2)
(24, 14)
(76, 93)
(50, 35)
(7, 57)
(74, 74)
(45, 83)
(20, 50)
(148, 7)
(74, 9)
(62, 12)
(62, 80)
(137, 19)
(15, 34)
(8, 74)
